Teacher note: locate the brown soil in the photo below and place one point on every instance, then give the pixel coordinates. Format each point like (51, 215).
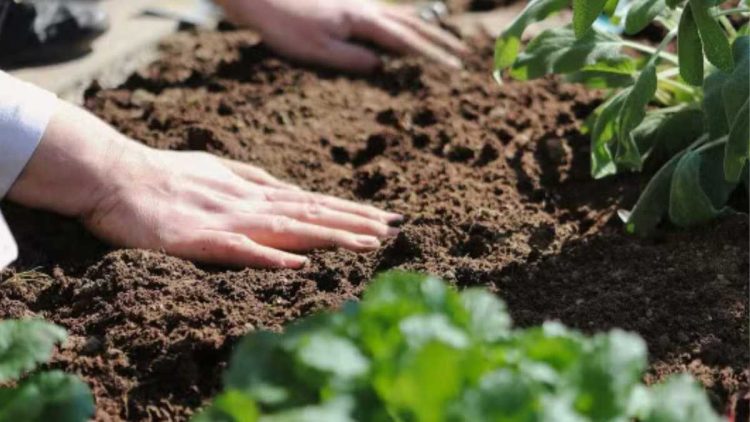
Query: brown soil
(494, 181)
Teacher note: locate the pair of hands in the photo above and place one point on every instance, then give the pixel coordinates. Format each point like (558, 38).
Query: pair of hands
(201, 207)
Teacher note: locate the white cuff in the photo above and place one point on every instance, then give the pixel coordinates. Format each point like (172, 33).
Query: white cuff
(25, 111)
(8, 248)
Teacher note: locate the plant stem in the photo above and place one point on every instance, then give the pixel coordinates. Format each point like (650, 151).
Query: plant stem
(679, 85)
(712, 144)
(732, 11)
(728, 26)
(654, 51)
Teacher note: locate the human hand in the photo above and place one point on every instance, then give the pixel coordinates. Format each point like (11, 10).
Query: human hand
(189, 204)
(319, 31)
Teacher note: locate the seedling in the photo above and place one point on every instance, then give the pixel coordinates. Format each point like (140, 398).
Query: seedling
(416, 350)
(685, 114)
(41, 396)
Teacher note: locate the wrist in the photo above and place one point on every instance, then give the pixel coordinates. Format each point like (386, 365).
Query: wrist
(71, 168)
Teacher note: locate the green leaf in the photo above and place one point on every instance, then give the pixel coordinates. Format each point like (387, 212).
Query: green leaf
(48, 396)
(317, 349)
(737, 150)
(230, 406)
(24, 344)
(736, 89)
(604, 131)
(604, 74)
(631, 115)
(680, 399)
(674, 3)
(641, 13)
(559, 51)
(664, 134)
(489, 319)
(509, 42)
(585, 13)
(689, 49)
(338, 410)
(715, 42)
(653, 202)
(698, 191)
(503, 395)
(713, 105)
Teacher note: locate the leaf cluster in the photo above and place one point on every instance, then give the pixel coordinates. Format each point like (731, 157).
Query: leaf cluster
(416, 350)
(41, 396)
(685, 115)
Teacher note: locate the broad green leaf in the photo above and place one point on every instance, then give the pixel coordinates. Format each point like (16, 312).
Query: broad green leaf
(328, 353)
(641, 13)
(603, 132)
(509, 42)
(605, 74)
(737, 149)
(47, 396)
(585, 13)
(503, 395)
(736, 88)
(715, 42)
(664, 134)
(713, 105)
(609, 373)
(230, 406)
(699, 192)
(631, 115)
(559, 51)
(24, 344)
(680, 399)
(674, 3)
(489, 319)
(338, 410)
(653, 202)
(689, 49)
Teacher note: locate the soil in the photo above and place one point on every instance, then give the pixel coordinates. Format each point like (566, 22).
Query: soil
(495, 184)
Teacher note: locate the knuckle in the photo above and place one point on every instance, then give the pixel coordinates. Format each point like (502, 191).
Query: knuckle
(313, 210)
(280, 224)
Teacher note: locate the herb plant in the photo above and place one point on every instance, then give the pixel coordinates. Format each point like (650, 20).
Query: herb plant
(44, 395)
(685, 114)
(416, 350)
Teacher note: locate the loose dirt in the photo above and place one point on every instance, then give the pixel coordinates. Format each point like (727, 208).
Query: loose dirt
(494, 181)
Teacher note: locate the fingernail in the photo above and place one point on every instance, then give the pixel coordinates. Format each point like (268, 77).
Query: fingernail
(392, 217)
(298, 263)
(367, 241)
(392, 232)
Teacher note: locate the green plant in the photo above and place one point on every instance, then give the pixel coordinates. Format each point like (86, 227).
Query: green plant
(416, 350)
(42, 396)
(685, 114)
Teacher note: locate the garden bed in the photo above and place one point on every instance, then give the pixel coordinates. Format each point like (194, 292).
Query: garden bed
(494, 181)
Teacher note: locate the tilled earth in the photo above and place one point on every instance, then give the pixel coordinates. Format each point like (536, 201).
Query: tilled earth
(494, 181)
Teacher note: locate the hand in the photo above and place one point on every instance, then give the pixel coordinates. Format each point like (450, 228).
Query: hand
(318, 31)
(189, 204)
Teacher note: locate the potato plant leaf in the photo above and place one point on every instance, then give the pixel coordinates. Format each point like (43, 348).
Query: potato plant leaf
(698, 191)
(713, 104)
(605, 74)
(715, 42)
(509, 42)
(24, 344)
(585, 13)
(631, 115)
(737, 149)
(604, 130)
(736, 89)
(559, 51)
(689, 49)
(47, 396)
(231, 405)
(675, 390)
(653, 202)
(641, 13)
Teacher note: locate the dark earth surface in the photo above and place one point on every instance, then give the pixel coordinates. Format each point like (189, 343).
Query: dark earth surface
(494, 181)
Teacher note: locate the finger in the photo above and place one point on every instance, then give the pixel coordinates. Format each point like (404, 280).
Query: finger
(397, 37)
(348, 56)
(256, 175)
(286, 233)
(324, 216)
(429, 31)
(219, 247)
(278, 195)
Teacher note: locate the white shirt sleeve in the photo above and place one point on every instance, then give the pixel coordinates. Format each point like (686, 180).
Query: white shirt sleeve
(25, 111)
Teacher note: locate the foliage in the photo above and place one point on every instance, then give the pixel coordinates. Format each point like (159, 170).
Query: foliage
(416, 350)
(42, 396)
(686, 115)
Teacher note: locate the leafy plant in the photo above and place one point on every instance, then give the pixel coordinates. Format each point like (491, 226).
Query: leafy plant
(415, 350)
(686, 114)
(42, 396)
